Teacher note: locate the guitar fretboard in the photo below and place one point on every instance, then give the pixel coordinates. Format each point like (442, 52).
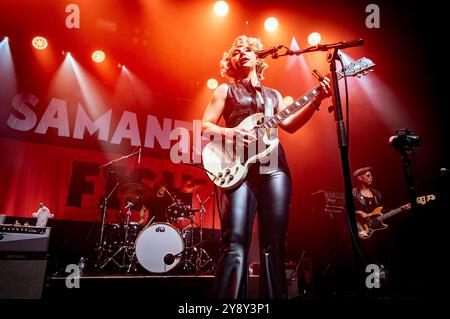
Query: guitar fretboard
(294, 107)
(390, 214)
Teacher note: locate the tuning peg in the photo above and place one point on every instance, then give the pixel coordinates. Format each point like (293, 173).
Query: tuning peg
(365, 73)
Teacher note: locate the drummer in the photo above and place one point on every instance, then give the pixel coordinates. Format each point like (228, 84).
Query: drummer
(156, 207)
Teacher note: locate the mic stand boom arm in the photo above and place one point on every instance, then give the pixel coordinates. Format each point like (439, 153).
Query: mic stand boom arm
(320, 47)
(118, 159)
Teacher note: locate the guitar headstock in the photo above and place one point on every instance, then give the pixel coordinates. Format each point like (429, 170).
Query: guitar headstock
(359, 67)
(422, 200)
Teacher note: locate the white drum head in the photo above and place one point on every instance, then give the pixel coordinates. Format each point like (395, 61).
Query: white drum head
(159, 247)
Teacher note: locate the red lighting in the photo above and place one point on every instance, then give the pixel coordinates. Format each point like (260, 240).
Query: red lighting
(221, 8)
(98, 56)
(271, 24)
(288, 100)
(314, 38)
(39, 43)
(212, 84)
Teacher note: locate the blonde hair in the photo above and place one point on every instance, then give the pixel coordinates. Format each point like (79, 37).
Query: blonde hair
(227, 70)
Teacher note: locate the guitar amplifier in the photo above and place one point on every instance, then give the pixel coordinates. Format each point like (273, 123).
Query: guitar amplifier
(28, 239)
(328, 202)
(23, 261)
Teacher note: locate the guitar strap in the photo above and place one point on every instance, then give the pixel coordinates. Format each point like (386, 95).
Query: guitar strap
(270, 165)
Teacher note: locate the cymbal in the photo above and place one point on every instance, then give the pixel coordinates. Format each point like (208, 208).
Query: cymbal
(188, 185)
(119, 178)
(132, 191)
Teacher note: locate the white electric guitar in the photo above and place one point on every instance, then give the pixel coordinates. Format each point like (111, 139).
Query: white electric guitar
(227, 162)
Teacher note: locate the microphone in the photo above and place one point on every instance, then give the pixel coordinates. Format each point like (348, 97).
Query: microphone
(139, 156)
(169, 259)
(352, 43)
(340, 45)
(264, 53)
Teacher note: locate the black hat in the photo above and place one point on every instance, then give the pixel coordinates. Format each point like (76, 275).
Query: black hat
(361, 171)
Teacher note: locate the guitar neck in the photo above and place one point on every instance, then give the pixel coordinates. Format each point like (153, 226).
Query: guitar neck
(390, 214)
(294, 107)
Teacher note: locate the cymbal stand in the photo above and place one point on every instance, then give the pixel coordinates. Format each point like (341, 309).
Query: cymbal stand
(105, 202)
(104, 206)
(125, 246)
(200, 263)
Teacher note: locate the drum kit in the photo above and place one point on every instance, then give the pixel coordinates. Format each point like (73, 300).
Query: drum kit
(157, 247)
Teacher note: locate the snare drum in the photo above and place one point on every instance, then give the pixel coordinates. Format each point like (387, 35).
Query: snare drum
(178, 212)
(159, 247)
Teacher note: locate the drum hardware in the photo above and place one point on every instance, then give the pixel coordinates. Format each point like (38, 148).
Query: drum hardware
(202, 259)
(126, 246)
(100, 249)
(168, 193)
(157, 247)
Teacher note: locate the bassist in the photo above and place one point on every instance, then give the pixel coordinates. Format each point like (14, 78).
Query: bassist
(376, 250)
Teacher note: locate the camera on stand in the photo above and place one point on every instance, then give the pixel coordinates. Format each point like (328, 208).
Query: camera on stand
(405, 140)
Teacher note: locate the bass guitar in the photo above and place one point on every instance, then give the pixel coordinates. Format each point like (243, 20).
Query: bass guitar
(375, 220)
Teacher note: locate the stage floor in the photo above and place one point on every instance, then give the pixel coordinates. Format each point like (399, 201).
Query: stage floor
(129, 286)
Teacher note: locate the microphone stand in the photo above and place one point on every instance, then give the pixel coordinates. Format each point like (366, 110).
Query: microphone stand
(332, 57)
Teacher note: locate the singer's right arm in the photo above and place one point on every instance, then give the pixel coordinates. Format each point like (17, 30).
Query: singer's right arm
(214, 111)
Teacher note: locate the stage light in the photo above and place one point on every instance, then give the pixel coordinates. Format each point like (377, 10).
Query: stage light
(98, 56)
(221, 8)
(314, 38)
(288, 100)
(212, 84)
(271, 24)
(39, 43)
(8, 79)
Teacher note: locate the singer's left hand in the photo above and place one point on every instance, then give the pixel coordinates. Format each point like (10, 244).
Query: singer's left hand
(326, 88)
(324, 93)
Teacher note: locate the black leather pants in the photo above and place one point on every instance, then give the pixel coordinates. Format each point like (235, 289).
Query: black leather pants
(270, 195)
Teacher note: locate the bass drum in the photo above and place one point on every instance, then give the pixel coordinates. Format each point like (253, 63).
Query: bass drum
(159, 247)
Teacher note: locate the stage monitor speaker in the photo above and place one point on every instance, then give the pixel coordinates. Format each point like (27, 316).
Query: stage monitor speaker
(21, 278)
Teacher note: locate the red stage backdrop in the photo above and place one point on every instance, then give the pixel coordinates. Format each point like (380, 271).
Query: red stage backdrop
(52, 153)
